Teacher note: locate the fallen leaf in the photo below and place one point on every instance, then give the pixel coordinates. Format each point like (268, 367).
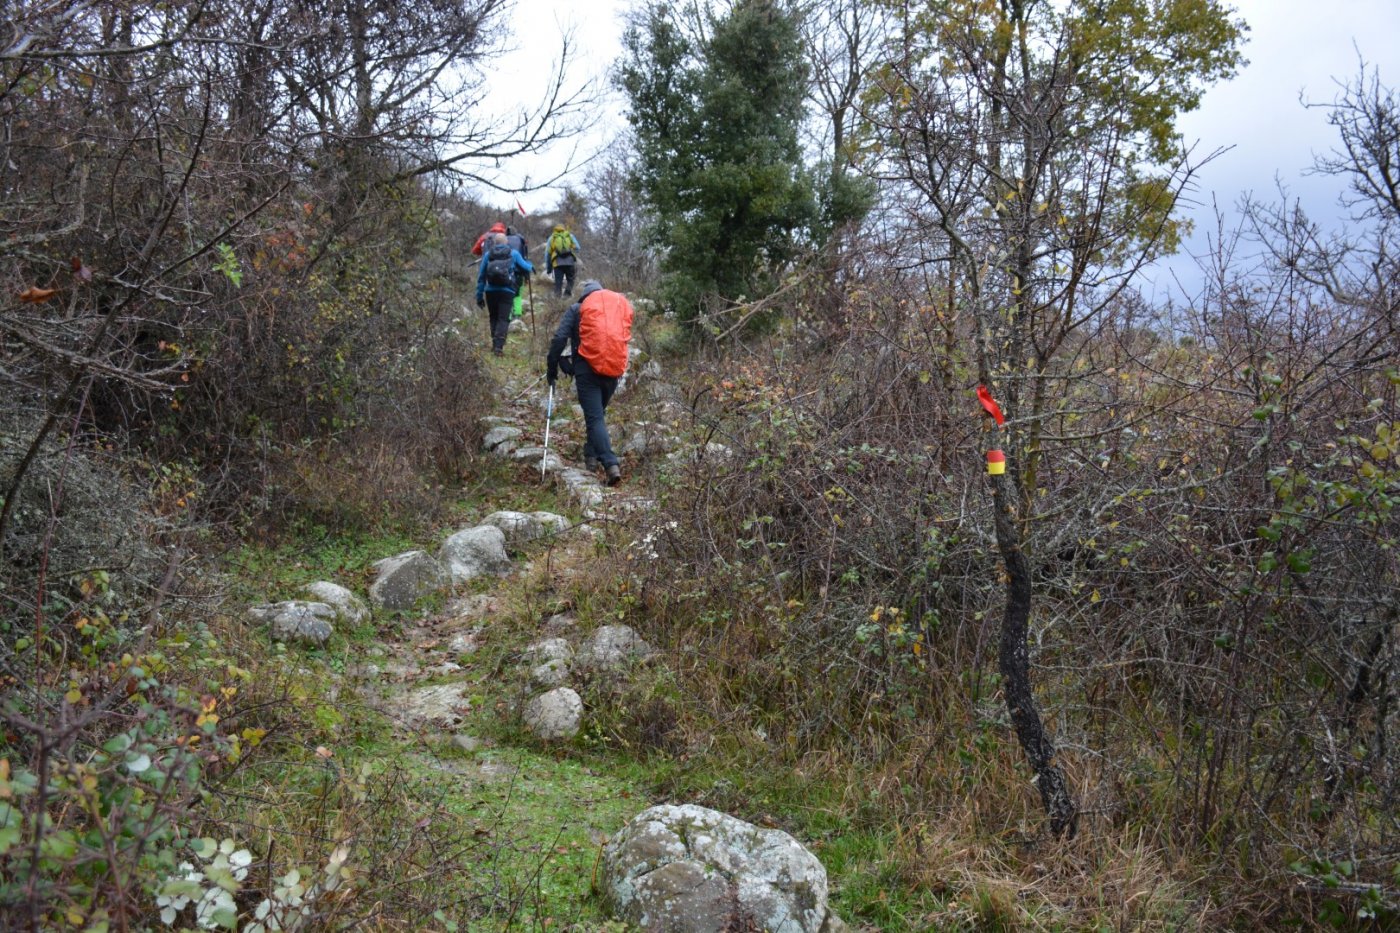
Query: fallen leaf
(34, 296)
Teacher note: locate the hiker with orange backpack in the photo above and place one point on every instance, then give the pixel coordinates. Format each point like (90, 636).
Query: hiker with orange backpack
(598, 329)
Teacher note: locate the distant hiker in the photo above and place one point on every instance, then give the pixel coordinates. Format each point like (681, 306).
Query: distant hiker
(598, 329)
(497, 279)
(496, 228)
(561, 259)
(517, 243)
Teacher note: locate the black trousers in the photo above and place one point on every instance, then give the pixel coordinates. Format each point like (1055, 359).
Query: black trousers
(594, 393)
(498, 304)
(564, 280)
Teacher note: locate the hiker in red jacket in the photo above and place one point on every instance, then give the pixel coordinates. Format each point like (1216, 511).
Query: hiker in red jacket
(496, 228)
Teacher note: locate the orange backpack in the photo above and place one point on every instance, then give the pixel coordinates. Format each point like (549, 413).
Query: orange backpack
(604, 329)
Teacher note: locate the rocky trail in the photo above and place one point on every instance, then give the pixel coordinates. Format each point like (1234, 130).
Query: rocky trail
(490, 701)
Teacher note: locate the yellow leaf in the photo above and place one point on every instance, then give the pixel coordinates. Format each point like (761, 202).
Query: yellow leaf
(1094, 596)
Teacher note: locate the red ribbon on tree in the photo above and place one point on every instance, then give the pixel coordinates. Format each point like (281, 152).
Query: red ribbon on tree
(990, 404)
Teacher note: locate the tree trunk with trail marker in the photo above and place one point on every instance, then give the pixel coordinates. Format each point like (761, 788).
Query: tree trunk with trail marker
(1014, 663)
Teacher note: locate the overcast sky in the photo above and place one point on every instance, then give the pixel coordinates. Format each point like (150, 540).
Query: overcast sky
(1294, 47)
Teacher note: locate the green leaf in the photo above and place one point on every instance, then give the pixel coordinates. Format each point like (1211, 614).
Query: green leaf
(118, 743)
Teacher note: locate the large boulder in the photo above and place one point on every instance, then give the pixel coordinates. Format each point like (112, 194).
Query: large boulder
(475, 552)
(554, 715)
(401, 580)
(689, 869)
(349, 608)
(296, 621)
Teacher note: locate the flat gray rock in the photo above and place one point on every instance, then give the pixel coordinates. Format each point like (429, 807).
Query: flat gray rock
(349, 608)
(549, 649)
(519, 527)
(297, 621)
(551, 522)
(550, 674)
(553, 463)
(499, 435)
(442, 703)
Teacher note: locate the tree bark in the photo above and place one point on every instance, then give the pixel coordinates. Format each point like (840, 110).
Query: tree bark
(1014, 663)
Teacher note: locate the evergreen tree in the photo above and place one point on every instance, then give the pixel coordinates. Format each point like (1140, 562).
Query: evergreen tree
(715, 111)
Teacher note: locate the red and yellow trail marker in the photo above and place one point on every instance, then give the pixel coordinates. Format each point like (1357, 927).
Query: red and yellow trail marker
(996, 460)
(990, 405)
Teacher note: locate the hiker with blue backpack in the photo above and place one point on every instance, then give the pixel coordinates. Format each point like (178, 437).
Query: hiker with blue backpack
(561, 259)
(497, 281)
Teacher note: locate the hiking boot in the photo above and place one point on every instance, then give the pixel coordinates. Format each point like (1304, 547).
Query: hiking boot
(592, 464)
(614, 475)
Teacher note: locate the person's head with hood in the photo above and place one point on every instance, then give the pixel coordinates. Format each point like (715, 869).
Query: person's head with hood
(560, 228)
(589, 287)
(498, 227)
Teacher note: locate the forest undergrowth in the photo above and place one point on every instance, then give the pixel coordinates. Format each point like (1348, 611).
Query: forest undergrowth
(823, 588)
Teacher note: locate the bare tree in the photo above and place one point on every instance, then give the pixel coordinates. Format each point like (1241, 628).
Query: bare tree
(1027, 134)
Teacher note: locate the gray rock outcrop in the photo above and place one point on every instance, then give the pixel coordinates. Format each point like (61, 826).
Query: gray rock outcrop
(549, 649)
(297, 621)
(402, 579)
(552, 673)
(474, 552)
(689, 869)
(611, 647)
(552, 522)
(645, 439)
(501, 435)
(582, 486)
(553, 463)
(349, 608)
(554, 715)
(519, 527)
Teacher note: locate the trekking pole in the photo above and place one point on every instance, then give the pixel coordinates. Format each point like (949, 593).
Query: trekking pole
(548, 415)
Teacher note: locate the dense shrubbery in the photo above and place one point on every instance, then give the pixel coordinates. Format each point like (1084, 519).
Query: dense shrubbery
(1213, 547)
